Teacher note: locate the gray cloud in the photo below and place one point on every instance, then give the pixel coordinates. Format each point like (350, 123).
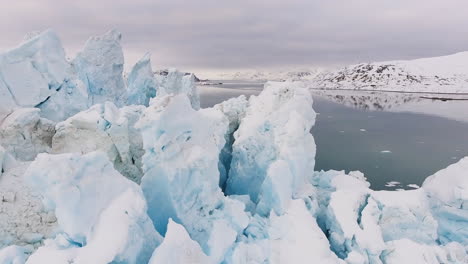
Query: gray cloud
(208, 34)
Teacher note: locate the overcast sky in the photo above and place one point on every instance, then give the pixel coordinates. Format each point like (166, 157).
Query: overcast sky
(214, 34)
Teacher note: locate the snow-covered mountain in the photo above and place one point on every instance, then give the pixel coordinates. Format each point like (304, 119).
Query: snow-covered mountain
(445, 74)
(262, 75)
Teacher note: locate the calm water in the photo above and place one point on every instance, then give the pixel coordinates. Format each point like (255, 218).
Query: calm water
(385, 146)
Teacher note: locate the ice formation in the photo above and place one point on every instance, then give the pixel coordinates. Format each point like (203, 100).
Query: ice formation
(23, 220)
(273, 152)
(24, 134)
(106, 128)
(97, 226)
(230, 184)
(181, 177)
(41, 64)
(179, 248)
(100, 66)
(141, 84)
(176, 82)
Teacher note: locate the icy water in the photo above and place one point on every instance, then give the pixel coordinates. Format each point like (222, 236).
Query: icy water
(386, 146)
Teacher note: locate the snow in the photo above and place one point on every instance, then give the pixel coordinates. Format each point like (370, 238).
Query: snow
(12, 255)
(178, 248)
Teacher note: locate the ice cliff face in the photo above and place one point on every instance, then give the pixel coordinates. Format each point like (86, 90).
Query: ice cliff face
(162, 181)
(181, 177)
(100, 66)
(446, 74)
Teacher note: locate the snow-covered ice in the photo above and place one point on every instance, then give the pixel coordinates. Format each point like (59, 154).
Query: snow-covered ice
(392, 183)
(24, 134)
(106, 128)
(96, 226)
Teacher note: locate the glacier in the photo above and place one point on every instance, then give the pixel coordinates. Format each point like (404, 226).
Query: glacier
(98, 167)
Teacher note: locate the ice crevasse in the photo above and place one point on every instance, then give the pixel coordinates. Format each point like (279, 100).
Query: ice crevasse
(135, 172)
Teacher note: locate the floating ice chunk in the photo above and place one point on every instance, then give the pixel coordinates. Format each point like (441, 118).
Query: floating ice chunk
(141, 85)
(178, 248)
(12, 255)
(181, 177)
(385, 151)
(100, 65)
(24, 133)
(448, 194)
(176, 82)
(109, 129)
(276, 128)
(100, 225)
(362, 130)
(414, 186)
(392, 183)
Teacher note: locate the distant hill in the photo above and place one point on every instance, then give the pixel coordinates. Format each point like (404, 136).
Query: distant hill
(447, 74)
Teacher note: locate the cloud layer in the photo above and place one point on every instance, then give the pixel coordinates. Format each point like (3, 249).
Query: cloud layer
(208, 34)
